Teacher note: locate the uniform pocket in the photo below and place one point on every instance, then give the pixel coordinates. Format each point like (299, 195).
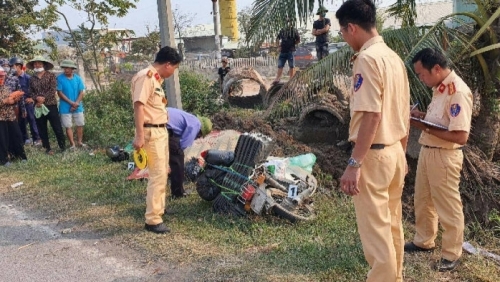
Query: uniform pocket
(147, 134)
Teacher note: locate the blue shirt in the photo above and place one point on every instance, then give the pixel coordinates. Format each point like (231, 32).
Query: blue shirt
(183, 124)
(24, 81)
(71, 88)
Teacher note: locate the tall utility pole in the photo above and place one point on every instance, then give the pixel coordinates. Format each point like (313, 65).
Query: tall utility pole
(172, 87)
(215, 12)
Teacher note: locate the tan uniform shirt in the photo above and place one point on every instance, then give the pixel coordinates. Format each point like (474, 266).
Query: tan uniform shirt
(451, 106)
(380, 85)
(146, 88)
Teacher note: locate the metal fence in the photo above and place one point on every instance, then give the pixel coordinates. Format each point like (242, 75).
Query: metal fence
(234, 63)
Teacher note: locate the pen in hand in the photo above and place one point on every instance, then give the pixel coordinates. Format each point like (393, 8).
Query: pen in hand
(414, 107)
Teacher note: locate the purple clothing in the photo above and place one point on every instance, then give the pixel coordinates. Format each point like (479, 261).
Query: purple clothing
(183, 124)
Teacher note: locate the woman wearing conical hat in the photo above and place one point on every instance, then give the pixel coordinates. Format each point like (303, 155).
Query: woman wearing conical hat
(43, 85)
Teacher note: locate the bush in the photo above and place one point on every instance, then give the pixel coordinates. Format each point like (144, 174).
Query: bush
(109, 115)
(199, 95)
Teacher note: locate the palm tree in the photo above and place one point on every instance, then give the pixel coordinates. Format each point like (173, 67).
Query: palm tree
(472, 48)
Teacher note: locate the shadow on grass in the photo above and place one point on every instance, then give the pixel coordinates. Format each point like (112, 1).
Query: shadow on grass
(92, 194)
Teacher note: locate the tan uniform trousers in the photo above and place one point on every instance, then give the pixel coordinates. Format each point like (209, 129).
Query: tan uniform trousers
(378, 212)
(156, 146)
(437, 197)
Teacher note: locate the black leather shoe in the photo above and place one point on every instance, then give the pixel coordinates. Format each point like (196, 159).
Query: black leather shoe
(412, 248)
(158, 228)
(447, 265)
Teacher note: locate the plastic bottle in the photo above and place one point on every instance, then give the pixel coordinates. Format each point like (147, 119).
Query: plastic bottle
(305, 161)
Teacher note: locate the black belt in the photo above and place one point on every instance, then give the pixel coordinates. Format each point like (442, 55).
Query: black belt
(155, 125)
(373, 146)
(431, 147)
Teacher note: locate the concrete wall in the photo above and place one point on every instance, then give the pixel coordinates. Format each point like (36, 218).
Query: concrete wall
(199, 44)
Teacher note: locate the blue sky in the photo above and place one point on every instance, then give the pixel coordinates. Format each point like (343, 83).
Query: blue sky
(146, 13)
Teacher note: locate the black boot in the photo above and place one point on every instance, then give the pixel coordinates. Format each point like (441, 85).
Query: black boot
(158, 228)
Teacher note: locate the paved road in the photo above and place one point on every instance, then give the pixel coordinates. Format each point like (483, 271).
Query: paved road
(35, 250)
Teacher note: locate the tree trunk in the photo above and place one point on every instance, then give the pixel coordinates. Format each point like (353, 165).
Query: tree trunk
(486, 131)
(495, 67)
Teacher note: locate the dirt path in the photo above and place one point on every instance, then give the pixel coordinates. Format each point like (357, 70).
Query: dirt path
(35, 249)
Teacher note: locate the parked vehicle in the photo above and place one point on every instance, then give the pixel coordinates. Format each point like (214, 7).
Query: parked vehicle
(304, 57)
(229, 53)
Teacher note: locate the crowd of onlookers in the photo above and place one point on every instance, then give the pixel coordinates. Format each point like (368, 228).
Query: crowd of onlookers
(32, 96)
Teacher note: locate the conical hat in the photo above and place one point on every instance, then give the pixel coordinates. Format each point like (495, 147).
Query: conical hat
(47, 64)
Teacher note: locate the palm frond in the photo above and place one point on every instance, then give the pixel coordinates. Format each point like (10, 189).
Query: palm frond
(406, 10)
(269, 16)
(485, 49)
(485, 27)
(332, 74)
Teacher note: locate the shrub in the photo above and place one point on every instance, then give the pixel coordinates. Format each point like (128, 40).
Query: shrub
(199, 95)
(109, 115)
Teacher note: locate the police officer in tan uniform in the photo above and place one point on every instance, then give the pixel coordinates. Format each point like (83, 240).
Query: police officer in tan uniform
(151, 117)
(440, 160)
(379, 108)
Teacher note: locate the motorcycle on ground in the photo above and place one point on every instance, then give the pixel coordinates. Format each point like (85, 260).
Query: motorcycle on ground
(242, 182)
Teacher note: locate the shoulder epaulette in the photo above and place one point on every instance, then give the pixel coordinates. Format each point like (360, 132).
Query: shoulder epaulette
(150, 74)
(451, 89)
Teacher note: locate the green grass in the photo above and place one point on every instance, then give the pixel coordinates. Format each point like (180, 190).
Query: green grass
(89, 193)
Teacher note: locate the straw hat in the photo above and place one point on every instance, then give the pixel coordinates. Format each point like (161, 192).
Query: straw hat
(47, 64)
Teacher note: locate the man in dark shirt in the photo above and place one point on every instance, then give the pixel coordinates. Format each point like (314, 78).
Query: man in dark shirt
(17, 66)
(321, 29)
(289, 38)
(223, 71)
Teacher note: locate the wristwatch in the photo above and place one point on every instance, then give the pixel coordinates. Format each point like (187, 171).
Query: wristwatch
(352, 162)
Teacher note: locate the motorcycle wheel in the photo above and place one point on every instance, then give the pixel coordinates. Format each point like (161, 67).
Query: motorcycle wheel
(284, 208)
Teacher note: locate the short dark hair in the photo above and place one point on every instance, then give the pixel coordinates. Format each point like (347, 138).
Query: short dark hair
(168, 55)
(360, 12)
(429, 57)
